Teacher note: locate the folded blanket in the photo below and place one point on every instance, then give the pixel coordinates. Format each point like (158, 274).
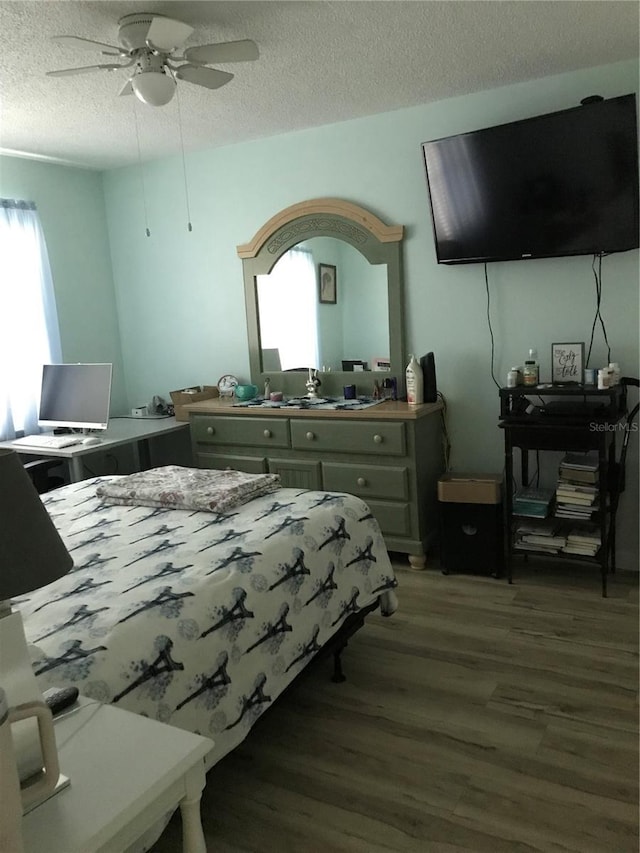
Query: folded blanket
(187, 488)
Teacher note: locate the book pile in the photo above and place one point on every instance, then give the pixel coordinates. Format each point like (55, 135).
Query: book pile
(533, 503)
(540, 535)
(577, 486)
(583, 542)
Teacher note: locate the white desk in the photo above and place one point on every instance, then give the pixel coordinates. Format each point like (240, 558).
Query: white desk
(126, 773)
(133, 431)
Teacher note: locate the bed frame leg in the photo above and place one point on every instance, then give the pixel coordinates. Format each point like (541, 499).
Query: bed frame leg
(338, 675)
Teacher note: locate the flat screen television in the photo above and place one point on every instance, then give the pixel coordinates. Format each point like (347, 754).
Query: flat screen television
(560, 184)
(75, 395)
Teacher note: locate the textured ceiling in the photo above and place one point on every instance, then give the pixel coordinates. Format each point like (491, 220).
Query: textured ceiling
(320, 62)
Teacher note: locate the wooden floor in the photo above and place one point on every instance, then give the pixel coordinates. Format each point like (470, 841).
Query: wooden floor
(480, 717)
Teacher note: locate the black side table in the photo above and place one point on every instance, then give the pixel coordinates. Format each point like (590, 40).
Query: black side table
(585, 419)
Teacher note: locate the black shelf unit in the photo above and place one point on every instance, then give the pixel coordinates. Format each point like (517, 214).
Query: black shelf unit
(586, 421)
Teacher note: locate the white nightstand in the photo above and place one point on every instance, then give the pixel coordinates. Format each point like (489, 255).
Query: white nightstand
(126, 772)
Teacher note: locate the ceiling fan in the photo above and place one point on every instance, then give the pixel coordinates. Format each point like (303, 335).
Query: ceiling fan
(149, 44)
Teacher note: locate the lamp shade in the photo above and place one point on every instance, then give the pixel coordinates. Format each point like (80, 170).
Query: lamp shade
(32, 554)
(153, 87)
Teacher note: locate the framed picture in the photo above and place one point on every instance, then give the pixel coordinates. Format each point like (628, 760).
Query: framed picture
(327, 285)
(567, 363)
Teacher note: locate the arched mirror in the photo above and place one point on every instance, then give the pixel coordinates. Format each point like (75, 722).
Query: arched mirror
(323, 289)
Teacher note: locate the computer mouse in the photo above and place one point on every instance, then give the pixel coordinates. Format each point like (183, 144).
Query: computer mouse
(91, 439)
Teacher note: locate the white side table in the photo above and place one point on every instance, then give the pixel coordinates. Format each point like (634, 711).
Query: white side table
(126, 773)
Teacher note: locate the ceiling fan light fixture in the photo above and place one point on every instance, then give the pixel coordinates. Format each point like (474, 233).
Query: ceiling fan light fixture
(153, 87)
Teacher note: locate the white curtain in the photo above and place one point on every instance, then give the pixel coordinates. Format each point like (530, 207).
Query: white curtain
(287, 304)
(29, 334)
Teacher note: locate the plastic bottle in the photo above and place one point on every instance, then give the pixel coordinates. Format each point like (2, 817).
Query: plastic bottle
(513, 377)
(603, 378)
(531, 374)
(267, 388)
(415, 382)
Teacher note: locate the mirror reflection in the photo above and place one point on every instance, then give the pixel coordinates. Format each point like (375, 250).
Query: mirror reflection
(323, 306)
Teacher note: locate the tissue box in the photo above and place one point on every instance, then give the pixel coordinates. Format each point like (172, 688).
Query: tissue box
(194, 394)
(470, 488)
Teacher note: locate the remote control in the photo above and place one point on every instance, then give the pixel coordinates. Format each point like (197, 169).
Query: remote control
(59, 698)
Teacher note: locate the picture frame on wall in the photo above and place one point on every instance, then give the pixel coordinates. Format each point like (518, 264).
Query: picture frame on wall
(567, 363)
(327, 284)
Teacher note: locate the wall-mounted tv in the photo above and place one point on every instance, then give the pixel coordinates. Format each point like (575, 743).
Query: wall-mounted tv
(560, 184)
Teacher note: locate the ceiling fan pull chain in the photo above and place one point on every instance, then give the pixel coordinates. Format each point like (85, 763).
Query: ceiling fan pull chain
(184, 166)
(144, 195)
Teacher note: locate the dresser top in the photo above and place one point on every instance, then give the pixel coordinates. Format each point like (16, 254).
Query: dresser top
(389, 410)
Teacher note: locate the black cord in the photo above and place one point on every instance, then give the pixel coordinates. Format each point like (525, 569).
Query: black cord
(598, 316)
(536, 474)
(493, 347)
(446, 442)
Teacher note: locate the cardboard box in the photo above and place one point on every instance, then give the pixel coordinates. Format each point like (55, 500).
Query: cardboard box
(194, 394)
(470, 488)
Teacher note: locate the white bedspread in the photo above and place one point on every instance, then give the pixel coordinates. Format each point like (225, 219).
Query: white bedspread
(201, 619)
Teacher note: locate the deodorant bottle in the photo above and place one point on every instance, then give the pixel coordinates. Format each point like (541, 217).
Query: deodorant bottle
(415, 382)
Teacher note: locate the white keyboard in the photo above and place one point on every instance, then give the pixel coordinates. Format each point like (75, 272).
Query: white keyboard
(55, 442)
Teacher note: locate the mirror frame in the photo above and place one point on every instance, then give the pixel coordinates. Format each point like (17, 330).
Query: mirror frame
(325, 217)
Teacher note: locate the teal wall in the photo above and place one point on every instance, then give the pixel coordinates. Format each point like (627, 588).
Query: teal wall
(179, 295)
(357, 326)
(70, 203)
(364, 294)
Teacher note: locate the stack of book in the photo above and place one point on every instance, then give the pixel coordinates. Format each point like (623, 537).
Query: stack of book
(577, 486)
(540, 535)
(534, 503)
(583, 542)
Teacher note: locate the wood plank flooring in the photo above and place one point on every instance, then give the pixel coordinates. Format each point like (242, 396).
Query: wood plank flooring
(480, 717)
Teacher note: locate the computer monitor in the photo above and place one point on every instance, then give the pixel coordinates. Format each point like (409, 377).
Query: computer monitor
(75, 395)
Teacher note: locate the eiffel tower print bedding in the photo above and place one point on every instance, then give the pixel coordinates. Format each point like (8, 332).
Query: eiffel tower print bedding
(201, 619)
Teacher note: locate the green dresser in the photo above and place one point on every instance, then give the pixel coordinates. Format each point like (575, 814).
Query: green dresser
(390, 455)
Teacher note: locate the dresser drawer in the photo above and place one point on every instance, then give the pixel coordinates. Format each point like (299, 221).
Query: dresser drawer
(222, 461)
(353, 437)
(240, 431)
(366, 480)
(296, 473)
(394, 518)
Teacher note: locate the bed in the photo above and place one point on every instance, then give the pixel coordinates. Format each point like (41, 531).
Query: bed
(201, 619)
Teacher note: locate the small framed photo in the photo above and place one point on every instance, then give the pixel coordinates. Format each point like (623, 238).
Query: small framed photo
(327, 284)
(567, 363)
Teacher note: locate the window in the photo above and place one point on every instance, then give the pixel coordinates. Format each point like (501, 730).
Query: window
(29, 324)
(287, 294)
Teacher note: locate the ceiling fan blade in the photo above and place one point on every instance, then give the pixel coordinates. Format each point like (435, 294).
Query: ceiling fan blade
(209, 77)
(229, 51)
(88, 44)
(127, 89)
(166, 35)
(67, 72)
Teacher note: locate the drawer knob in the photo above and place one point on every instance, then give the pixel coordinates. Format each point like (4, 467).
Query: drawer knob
(362, 481)
(377, 438)
(267, 433)
(210, 430)
(310, 436)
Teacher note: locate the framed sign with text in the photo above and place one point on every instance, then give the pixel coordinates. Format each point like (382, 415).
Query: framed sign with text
(567, 363)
